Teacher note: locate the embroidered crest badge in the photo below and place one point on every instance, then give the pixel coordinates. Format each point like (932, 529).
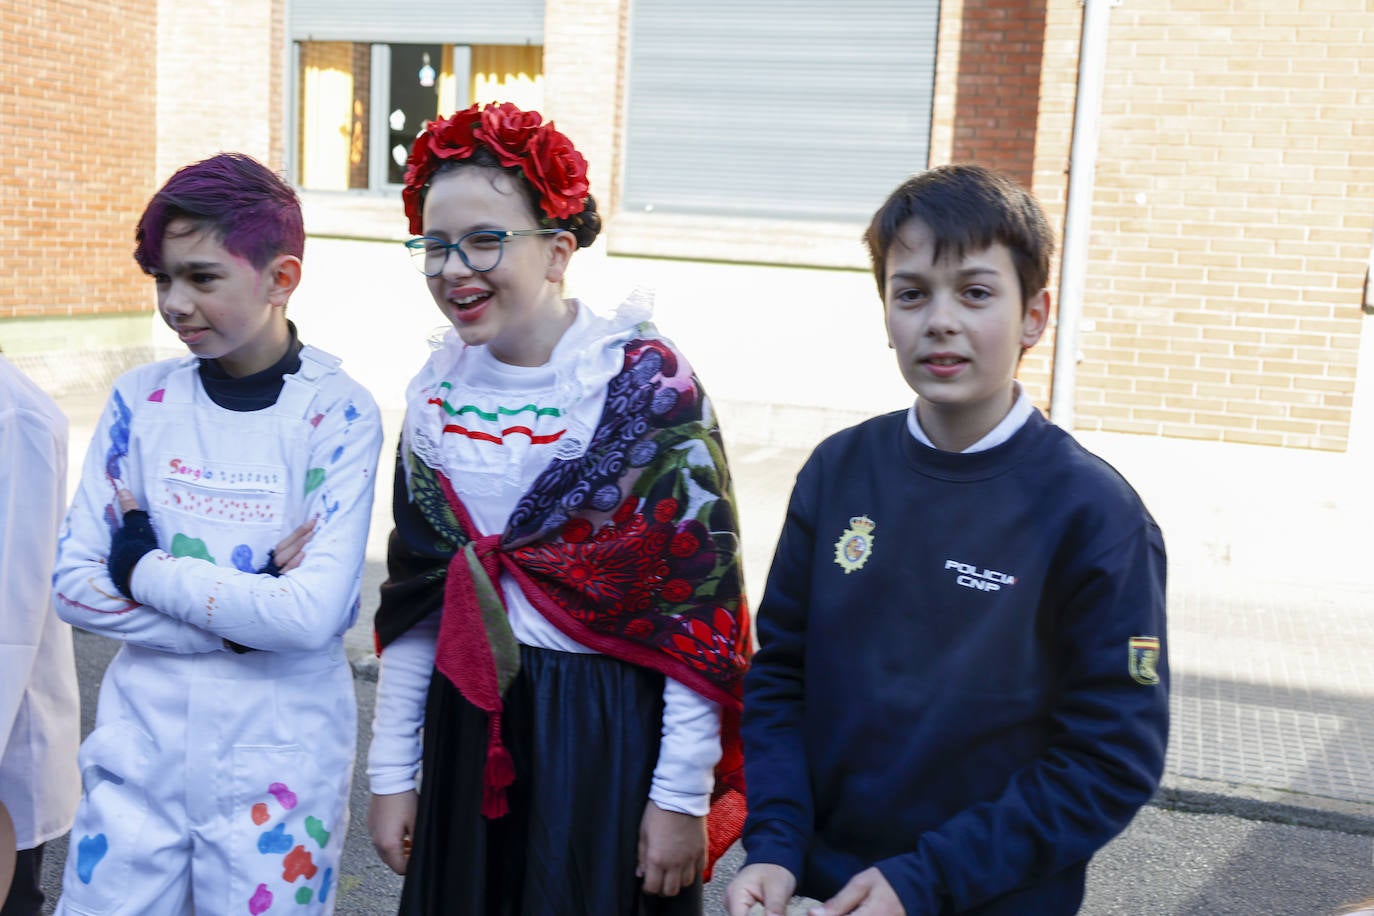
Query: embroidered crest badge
(856, 544)
(1144, 656)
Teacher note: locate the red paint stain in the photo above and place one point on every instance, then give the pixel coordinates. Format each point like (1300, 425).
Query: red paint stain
(297, 864)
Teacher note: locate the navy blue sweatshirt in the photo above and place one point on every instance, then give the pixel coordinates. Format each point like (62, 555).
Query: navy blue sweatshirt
(961, 676)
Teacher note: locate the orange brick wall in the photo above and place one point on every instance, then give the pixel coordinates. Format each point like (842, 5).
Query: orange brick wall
(221, 81)
(1232, 218)
(992, 89)
(76, 161)
(998, 95)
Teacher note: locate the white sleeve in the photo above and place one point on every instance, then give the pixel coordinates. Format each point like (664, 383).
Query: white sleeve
(393, 759)
(33, 480)
(83, 594)
(310, 606)
(688, 752)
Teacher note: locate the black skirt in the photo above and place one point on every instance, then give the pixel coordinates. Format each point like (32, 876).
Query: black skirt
(583, 733)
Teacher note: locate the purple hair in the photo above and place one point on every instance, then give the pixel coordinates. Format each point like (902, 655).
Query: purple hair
(253, 212)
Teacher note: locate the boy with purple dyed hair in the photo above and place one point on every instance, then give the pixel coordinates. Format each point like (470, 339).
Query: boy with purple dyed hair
(219, 532)
(255, 213)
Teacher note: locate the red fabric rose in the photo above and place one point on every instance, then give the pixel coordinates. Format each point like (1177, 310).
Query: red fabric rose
(665, 509)
(442, 138)
(516, 138)
(454, 137)
(410, 199)
(558, 171)
(506, 131)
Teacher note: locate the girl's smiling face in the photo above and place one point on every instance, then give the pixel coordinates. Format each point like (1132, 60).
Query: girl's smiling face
(516, 309)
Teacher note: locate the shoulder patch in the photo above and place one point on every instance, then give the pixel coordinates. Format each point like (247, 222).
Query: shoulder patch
(855, 545)
(1143, 656)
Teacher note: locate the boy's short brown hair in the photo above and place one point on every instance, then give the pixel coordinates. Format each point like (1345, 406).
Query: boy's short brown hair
(967, 208)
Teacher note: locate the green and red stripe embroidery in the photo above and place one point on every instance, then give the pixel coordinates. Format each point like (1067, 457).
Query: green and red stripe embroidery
(501, 439)
(493, 416)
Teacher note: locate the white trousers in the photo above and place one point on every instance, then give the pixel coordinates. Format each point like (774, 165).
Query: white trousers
(214, 784)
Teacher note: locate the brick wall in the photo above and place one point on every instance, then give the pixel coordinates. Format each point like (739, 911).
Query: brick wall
(91, 127)
(1050, 179)
(998, 84)
(1232, 218)
(76, 164)
(220, 81)
(360, 127)
(1232, 214)
(992, 88)
(584, 46)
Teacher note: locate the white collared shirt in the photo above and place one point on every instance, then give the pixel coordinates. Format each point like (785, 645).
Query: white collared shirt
(1021, 410)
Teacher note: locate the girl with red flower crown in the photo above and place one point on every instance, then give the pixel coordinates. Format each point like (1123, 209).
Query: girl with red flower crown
(563, 628)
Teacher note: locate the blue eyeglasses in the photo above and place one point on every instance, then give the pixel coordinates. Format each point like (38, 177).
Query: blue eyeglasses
(481, 250)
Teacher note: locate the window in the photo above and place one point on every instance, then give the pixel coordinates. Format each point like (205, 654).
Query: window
(361, 105)
(368, 75)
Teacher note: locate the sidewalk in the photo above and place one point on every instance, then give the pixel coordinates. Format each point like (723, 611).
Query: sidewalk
(1271, 596)
(1271, 600)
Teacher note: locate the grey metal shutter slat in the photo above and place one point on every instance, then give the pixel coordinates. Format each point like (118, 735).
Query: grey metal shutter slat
(481, 22)
(802, 110)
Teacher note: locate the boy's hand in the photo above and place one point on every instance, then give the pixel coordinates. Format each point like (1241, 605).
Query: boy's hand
(134, 539)
(866, 894)
(391, 821)
(288, 554)
(770, 886)
(672, 850)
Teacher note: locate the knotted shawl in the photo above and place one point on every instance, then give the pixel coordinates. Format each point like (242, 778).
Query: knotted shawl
(631, 549)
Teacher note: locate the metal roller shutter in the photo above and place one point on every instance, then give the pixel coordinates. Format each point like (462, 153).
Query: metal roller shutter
(512, 22)
(813, 109)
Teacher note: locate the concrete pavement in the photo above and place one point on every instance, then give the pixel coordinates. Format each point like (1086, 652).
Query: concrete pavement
(1271, 595)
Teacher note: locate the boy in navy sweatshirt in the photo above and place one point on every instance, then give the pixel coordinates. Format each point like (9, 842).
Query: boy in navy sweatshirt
(961, 689)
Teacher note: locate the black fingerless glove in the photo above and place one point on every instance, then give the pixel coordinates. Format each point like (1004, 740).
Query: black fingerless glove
(134, 539)
(271, 568)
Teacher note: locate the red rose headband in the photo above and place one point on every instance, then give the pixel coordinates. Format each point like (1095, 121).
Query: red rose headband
(517, 138)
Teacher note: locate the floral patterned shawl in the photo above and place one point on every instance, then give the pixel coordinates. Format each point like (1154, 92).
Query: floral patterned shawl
(631, 548)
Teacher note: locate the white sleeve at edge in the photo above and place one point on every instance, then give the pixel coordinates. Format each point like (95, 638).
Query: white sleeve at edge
(393, 759)
(689, 751)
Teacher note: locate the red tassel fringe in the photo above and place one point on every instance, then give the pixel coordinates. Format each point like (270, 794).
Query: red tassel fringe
(498, 773)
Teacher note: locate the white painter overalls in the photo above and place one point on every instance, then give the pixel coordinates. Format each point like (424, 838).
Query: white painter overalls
(217, 783)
